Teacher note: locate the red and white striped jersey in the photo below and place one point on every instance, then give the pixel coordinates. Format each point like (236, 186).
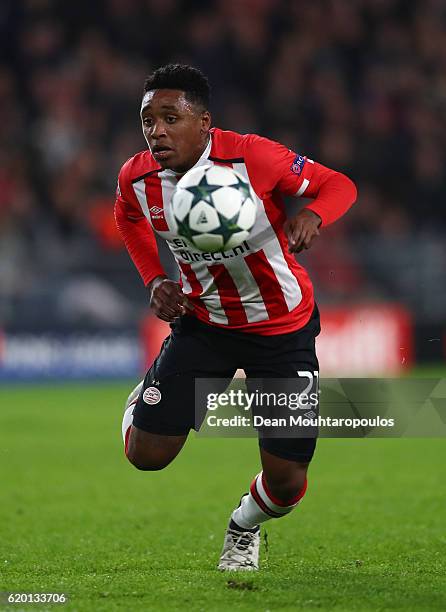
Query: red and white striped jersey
(257, 287)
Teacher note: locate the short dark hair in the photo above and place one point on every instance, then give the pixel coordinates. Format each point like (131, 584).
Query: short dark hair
(183, 77)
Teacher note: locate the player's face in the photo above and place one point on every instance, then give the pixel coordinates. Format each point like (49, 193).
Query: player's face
(175, 130)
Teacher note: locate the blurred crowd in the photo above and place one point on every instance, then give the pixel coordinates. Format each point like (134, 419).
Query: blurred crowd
(359, 85)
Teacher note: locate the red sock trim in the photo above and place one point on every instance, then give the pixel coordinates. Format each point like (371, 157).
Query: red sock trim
(280, 503)
(127, 436)
(127, 433)
(259, 501)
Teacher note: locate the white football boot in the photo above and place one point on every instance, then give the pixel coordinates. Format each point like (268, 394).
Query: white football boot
(240, 551)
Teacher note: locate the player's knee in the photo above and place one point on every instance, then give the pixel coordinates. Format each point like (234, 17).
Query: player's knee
(147, 462)
(284, 492)
(149, 452)
(285, 486)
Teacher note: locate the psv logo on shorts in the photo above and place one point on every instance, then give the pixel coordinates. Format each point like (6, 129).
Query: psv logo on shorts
(151, 395)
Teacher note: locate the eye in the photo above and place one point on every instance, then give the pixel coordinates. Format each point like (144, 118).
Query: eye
(147, 121)
(171, 119)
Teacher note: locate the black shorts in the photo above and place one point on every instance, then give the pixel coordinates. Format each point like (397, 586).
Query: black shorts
(166, 404)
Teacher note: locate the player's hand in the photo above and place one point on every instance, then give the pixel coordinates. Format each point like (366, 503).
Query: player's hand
(167, 300)
(302, 229)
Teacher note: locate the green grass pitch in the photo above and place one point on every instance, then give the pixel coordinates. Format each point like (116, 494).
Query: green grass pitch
(75, 517)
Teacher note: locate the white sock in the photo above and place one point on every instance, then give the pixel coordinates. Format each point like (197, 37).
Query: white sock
(259, 505)
(127, 419)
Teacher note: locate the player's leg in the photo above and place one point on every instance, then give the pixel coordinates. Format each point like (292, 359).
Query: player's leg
(273, 493)
(147, 451)
(150, 452)
(282, 477)
(162, 409)
(282, 483)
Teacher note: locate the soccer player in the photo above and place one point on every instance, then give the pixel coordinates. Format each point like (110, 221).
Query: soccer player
(254, 310)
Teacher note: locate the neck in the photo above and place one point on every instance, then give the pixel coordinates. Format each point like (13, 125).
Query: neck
(180, 170)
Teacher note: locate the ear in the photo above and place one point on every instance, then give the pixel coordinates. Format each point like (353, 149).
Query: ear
(205, 122)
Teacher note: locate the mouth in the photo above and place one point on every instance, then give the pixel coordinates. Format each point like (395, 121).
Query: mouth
(161, 152)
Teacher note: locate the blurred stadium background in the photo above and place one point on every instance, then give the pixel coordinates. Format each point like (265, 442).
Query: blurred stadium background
(359, 85)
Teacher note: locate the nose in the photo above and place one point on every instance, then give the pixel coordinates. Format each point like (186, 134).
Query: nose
(158, 130)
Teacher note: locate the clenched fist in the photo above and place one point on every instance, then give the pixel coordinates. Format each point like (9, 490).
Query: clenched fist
(302, 229)
(167, 300)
